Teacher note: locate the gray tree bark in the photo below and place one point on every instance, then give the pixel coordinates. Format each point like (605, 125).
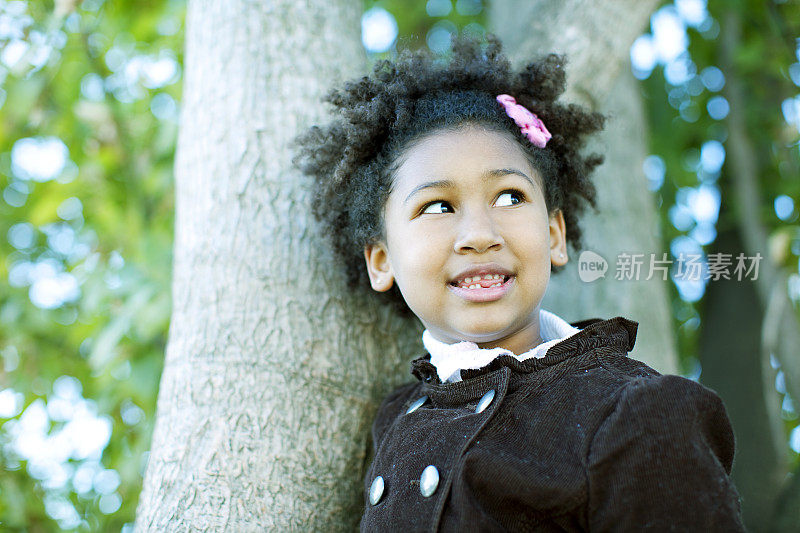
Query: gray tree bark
(273, 370)
(596, 36)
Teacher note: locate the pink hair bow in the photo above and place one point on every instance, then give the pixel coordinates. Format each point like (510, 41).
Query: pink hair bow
(531, 125)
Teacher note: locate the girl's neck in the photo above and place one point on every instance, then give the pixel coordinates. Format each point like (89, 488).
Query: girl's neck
(520, 342)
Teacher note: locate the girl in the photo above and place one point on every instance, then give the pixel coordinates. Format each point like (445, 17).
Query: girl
(460, 184)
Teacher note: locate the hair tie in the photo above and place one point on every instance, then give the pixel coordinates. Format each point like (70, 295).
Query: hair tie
(530, 125)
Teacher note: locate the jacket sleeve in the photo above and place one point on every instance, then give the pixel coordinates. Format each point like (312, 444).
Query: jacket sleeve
(661, 461)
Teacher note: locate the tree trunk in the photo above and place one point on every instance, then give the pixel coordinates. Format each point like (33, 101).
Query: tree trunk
(735, 367)
(598, 75)
(596, 36)
(273, 370)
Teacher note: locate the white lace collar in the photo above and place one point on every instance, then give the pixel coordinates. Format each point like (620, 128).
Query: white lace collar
(450, 359)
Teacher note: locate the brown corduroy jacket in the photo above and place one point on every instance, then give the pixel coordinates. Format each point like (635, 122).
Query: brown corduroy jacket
(583, 439)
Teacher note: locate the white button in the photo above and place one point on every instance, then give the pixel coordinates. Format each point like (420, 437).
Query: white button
(429, 480)
(376, 490)
(417, 404)
(484, 402)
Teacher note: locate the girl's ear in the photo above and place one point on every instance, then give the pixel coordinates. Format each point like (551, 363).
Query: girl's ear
(378, 267)
(558, 239)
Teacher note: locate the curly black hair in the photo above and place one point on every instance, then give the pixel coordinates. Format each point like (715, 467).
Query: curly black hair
(351, 159)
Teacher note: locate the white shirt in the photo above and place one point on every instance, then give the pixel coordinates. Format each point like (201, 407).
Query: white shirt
(450, 359)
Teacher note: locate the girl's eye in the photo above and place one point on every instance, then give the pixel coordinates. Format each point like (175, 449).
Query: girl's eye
(508, 198)
(438, 208)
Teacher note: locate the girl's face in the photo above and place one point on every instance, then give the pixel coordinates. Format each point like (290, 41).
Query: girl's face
(465, 205)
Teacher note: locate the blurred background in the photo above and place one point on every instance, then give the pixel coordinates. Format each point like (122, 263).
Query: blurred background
(90, 95)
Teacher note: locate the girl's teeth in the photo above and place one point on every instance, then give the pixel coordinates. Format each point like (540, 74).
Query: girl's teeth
(479, 286)
(469, 281)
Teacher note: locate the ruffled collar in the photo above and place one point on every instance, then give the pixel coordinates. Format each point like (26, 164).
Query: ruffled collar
(450, 359)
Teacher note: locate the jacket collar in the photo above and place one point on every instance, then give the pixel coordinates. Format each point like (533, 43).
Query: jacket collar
(617, 332)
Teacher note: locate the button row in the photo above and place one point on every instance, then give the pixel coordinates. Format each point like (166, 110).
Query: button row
(483, 403)
(429, 479)
(428, 482)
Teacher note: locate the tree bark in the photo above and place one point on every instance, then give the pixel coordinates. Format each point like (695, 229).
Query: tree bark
(735, 367)
(598, 75)
(273, 369)
(596, 36)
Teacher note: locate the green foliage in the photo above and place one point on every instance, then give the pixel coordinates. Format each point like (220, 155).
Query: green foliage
(102, 78)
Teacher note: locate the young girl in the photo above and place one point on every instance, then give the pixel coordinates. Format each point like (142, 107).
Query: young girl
(460, 184)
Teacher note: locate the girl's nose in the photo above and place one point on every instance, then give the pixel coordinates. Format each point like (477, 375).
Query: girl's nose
(478, 233)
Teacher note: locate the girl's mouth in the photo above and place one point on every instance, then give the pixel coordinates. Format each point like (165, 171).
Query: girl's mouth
(486, 288)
